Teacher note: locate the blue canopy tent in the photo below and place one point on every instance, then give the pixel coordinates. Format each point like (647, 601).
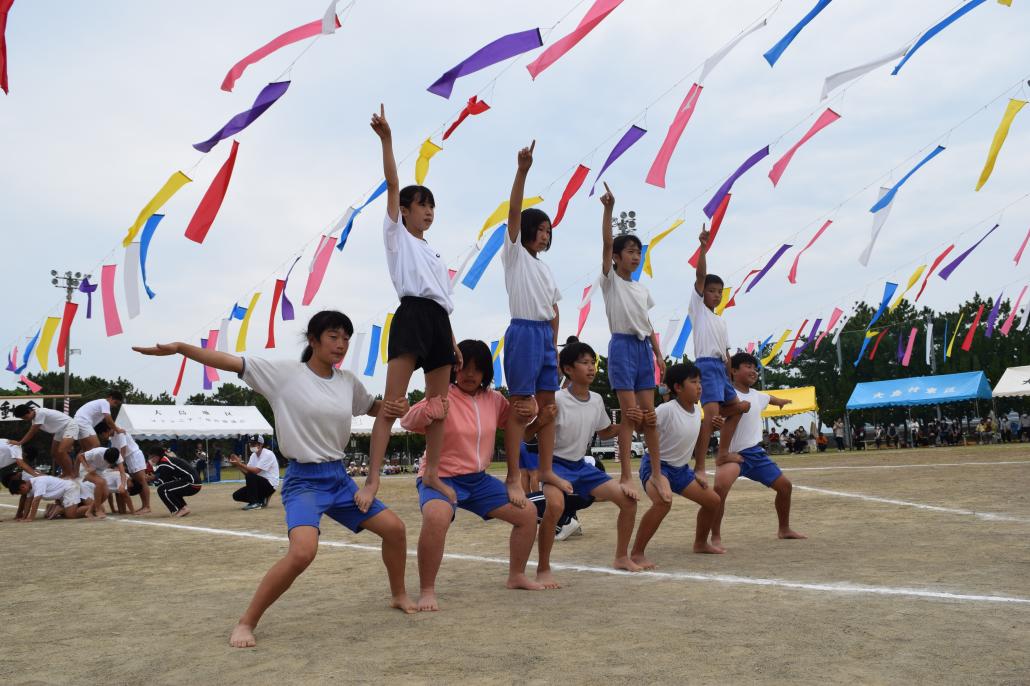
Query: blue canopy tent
(920, 390)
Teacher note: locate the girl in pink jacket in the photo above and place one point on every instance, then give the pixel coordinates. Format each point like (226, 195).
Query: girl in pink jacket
(474, 414)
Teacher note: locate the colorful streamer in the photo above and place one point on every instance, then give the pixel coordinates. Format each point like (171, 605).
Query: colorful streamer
(810, 339)
(929, 342)
(680, 345)
(89, 289)
(30, 384)
(309, 30)
(495, 354)
(993, 316)
(144, 249)
(571, 188)
(776, 51)
(724, 302)
(354, 350)
(834, 81)
(769, 265)
(210, 373)
(594, 16)
(901, 346)
(425, 153)
(373, 350)
(656, 175)
(265, 99)
(287, 309)
(223, 336)
(1007, 326)
(28, 352)
(879, 219)
(172, 185)
(789, 357)
(872, 353)
(486, 255)
(352, 214)
(999, 139)
(584, 309)
(241, 337)
(720, 214)
(501, 214)
(933, 267)
(733, 298)
(5, 8)
(654, 243)
(209, 205)
(634, 134)
(178, 379)
(46, 338)
(238, 312)
(837, 312)
(1022, 247)
(824, 120)
(957, 14)
(318, 266)
(888, 291)
(911, 282)
(792, 276)
(953, 265)
(968, 342)
(713, 204)
(384, 340)
(840, 329)
(70, 309)
(112, 323)
(908, 350)
(330, 22)
(473, 107)
(775, 349)
(130, 279)
(951, 344)
(280, 284)
(718, 56)
(490, 54)
(635, 276)
(889, 197)
(203, 370)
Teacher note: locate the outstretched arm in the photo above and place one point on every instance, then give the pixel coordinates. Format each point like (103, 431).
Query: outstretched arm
(205, 356)
(702, 262)
(393, 186)
(779, 402)
(518, 190)
(33, 429)
(608, 201)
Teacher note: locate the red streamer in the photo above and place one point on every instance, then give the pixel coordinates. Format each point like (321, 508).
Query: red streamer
(178, 380)
(933, 267)
(5, 7)
(720, 212)
(62, 338)
(793, 275)
(280, 284)
(209, 205)
(968, 342)
(474, 106)
(872, 353)
(794, 345)
(571, 188)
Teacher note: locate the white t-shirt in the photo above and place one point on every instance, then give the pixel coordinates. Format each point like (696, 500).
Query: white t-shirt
(576, 423)
(9, 453)
(264, 460)
(95, 459)
(677, 432)
(626, 303)
(312, 414)
(49, 487)
(93, 412)
(415, 268)
(125, 443)
(710, 337)
(51, 421)
(749, 429)
(532, 292)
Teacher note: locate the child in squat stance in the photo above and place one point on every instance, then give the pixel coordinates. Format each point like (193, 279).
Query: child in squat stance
(747, 456)
(679, 423)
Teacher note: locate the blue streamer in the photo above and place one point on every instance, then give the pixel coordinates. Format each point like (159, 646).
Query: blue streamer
(889, 195)
(681, 341)
(944, 343)
(957, 14)
(28, 353)
(238, 312)
(498, 370)
(775, 51)
(144, 246)
(635, 276)
(350, 222)
(486, 255)
(373, 350)
(888, 291)
(865, 344)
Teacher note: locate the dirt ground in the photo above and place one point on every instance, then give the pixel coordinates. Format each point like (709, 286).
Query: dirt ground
(888, 589)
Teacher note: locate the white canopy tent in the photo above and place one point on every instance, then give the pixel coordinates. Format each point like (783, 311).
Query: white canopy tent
(1014, 382)
(362, 426)
(165, 422)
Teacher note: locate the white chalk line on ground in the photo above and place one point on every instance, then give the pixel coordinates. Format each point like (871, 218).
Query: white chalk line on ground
(900, 466)
(989, 516)
(834, 587)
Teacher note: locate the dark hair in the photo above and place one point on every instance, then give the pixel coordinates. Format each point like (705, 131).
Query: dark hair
(21, 410)
(412, 194)
(712, 278)
(572, 351)
(116, 395)
(326, 320)
(477, 353)
(620, 242)
(156, 450)
(530, 224)
(111, 456)
(678, 373)
(14, 485)
(101, 428)
(743, 358)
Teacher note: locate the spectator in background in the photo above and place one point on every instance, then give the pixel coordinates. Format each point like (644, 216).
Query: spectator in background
(813, 442)
(822, 442)
(858, 436)
(774, 442)
(878, 436)
(892, 435)
(200, 463)
(981, 432)
(1024, 426)
(261, 475)
(838, 434)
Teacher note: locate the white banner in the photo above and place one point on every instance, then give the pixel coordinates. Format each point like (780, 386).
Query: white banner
(8, 403)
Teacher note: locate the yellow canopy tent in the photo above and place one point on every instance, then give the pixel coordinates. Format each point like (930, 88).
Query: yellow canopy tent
(802, 400)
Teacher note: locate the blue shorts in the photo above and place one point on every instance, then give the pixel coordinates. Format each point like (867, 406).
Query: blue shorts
(679, 477)
(478, 493)
(758, 466)
(715, 385)
(530, 360)
(584, 477)
(311, 489)
(528, 459)
(630, 363)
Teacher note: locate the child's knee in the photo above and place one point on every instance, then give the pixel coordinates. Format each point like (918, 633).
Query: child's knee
(783, 485)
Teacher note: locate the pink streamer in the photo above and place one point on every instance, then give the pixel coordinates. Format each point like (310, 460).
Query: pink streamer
(594, 16)
(292, 36)
(212, 340)
(30, 384)
(584, 310)
(318, 267)
(837, 312)
(908, 350)
(750, 347)
(824, 120)
(1019, 254)
(1012, 314)
(656, 176)
(793, 275)
(111, 321)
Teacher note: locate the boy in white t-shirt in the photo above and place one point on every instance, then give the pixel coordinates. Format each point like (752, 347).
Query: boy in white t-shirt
(679, 423)
(63, 428)
(39, 488)
(748, 457)
(136, 468)
(105, 469)
(581, 414)
(260, 474)
(11, 461)
(99, 411)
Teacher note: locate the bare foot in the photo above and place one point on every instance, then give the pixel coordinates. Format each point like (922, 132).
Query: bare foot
(182, 513)
(427, 601)
(627, 564)
(717, 543)
(142, 510)
(708, 548)
(790, 533)
(101, 515)
(641, 560)
(89, 515)
(403, 603)
(726, 458)
(521, 581)
(547, 580)
(242, 636)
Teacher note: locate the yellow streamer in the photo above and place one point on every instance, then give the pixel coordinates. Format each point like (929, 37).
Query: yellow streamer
(958, 325)
(501, 214)
(1007, 3)
(654, 242)
(721, 307)
(500, 347)
(384, 340)
(43, 349)
(776, 349)
(999, 139)
(173, 184)
(241, 339)
(425, 153)
(911, 282)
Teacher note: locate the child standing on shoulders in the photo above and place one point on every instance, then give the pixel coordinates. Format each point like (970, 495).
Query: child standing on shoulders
(96, 412)
(748, 457)
(679, 423)
(581, 414)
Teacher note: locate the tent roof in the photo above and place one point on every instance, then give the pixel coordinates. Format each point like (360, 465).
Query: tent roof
(802, 400)
(362, 426)
(920, 390)
(1015, 381)
(163, 422)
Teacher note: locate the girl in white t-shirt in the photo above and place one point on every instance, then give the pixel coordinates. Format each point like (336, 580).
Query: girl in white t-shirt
(313, 403)
(420, 336)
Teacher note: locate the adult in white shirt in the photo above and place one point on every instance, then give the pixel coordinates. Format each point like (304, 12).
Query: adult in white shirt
(313, 403)
(63, 428)
(260, 474)
(95, 412)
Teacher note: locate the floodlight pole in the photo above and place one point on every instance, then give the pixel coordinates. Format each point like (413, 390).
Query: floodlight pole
(70, 283)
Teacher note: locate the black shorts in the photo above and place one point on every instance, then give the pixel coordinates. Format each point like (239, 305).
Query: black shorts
(422, 328)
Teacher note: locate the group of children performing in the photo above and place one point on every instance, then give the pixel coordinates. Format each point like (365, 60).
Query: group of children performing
(314, 401)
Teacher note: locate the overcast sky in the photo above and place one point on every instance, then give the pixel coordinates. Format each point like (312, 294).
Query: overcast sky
(107, 98)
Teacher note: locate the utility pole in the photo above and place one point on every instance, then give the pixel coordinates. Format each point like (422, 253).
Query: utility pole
(70, 283)
(847, 422)
(933, 364)
(626, 223)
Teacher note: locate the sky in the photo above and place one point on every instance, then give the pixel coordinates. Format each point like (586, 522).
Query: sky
(107, 98)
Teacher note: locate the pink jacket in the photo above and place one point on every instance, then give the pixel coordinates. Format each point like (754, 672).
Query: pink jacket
(469, 430)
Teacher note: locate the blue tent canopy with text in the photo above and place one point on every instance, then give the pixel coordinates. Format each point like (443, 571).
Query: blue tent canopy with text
(920, 390)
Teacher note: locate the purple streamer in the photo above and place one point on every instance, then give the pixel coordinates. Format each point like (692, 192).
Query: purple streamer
(203, 369)
(808, 341)
(901, 345)
(265, 99)
(88, 288)
(713, 204)
(765, 270)
(634, 134)
(993, 315)
(501, 49)
(287, 307)
(953, 265)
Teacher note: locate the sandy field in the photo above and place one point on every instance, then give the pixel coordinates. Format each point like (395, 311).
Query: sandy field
(917, 571)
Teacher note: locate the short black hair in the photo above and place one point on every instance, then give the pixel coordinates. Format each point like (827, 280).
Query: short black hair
(743, 358)
(678, 373)
(156, 450)
(115, 394)
(413, 194)
(620, 242)
(111, 456)
(14, 485)
(22, 410)
(320, 322)
(530, 223)
(572, 351)
(478, 354)
(101, 428)
(712, 278)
